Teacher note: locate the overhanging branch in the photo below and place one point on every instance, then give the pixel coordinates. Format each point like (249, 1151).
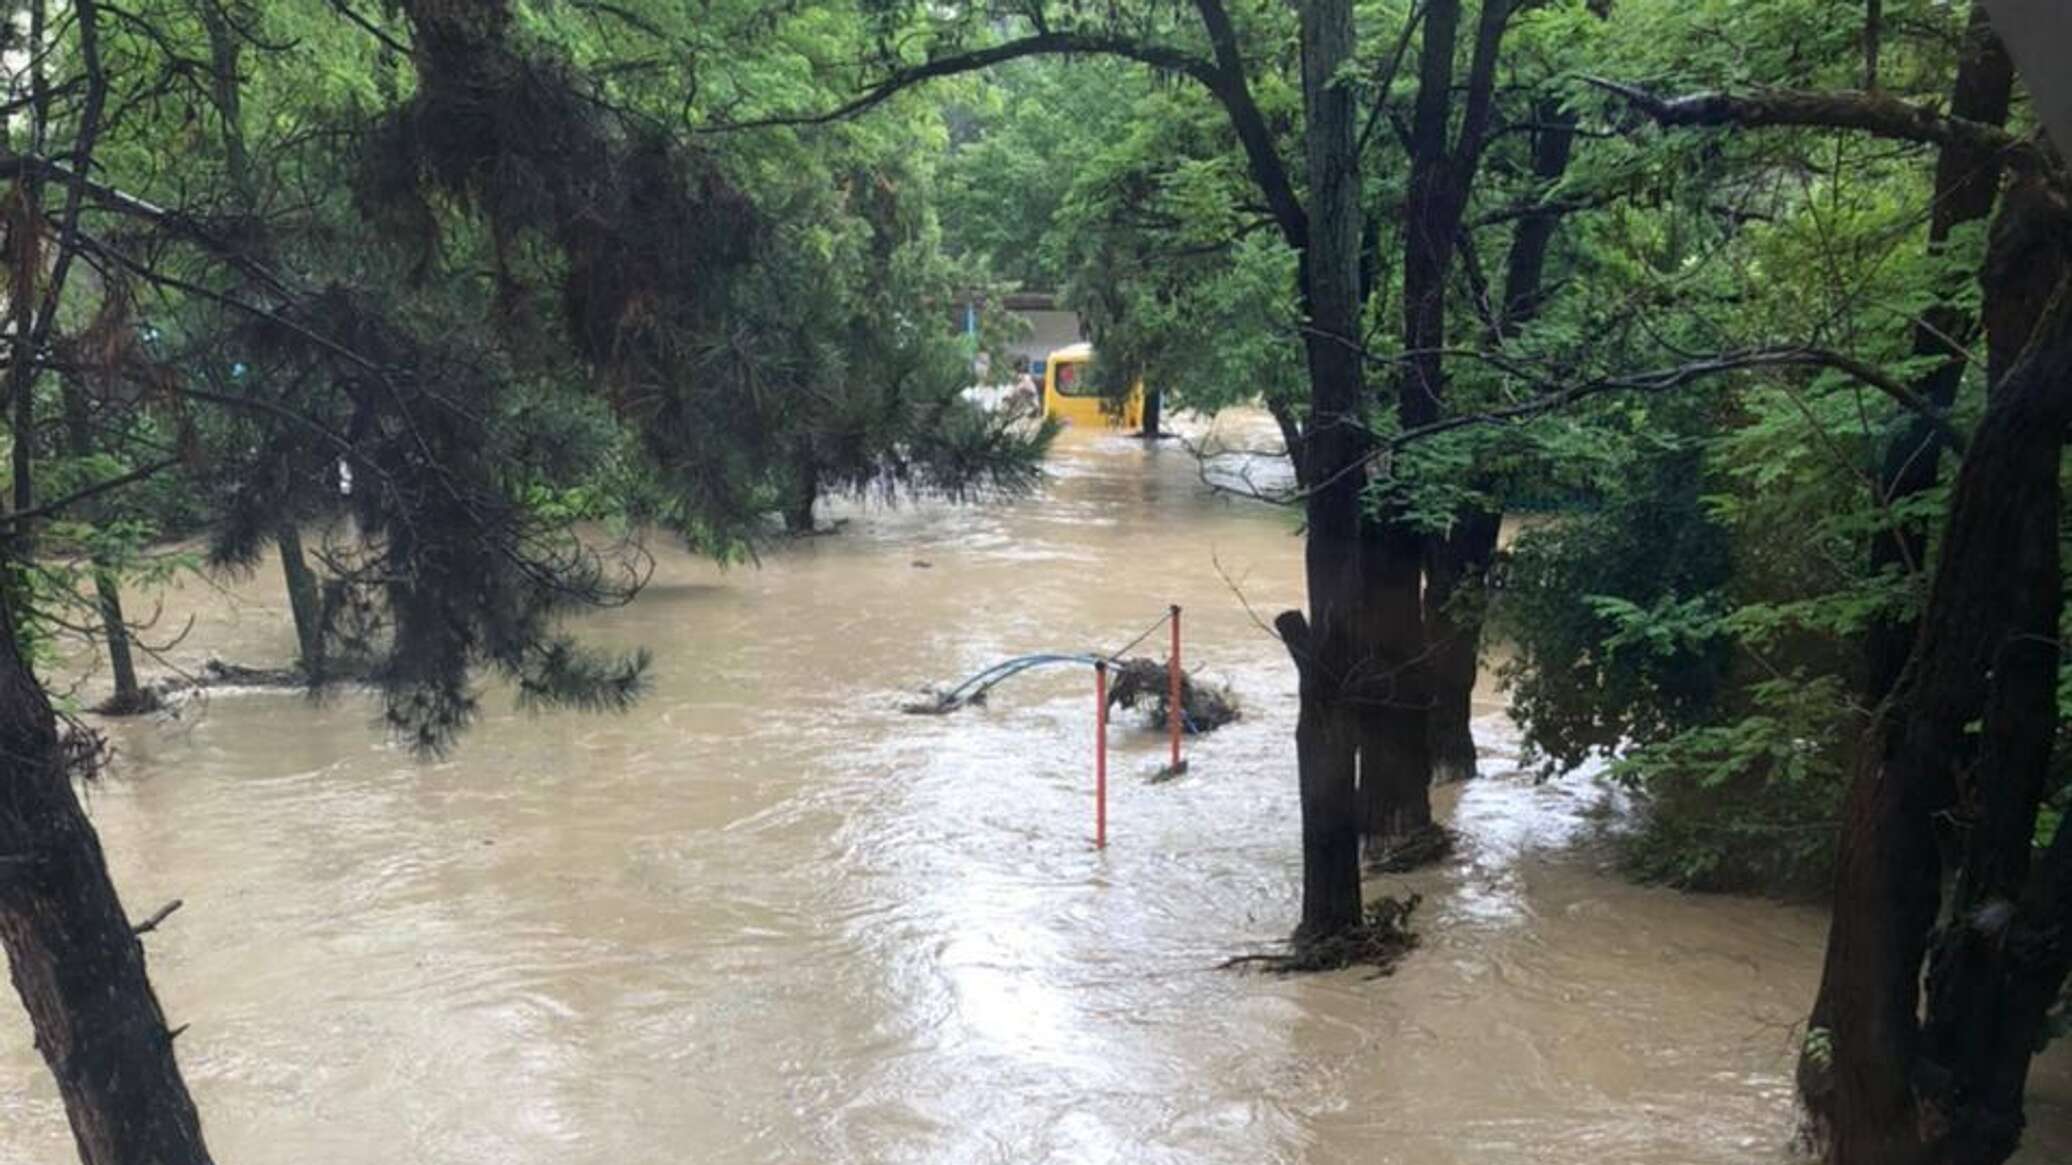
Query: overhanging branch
(1664, 380)
(1223, 77)
(1684, 374)
(1878, 114)
(1061, 43)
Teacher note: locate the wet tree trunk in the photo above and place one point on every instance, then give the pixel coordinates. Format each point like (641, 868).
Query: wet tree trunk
(1887, 1086)
(1325, 646)
(76, 963)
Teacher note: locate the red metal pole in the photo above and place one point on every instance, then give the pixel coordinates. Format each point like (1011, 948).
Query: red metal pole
(1174, 710)
(1100, 754)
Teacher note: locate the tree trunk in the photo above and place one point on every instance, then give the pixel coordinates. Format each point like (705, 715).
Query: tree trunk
(1325, 646)
(1882, 1087)
(1967, 183)
(798, 508)
(1154, 405)
(1326, 744)
(76, 963)
(122, 665)
(1393, 690)
(1525, 265)
(1396, 697)
(305, 601)
(1456, 571)
(1873, 34)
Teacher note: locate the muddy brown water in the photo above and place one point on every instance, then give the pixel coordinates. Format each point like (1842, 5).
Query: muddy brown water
(767, 918)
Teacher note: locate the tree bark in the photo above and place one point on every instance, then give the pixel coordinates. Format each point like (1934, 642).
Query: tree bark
(1154, 407)
(1883, 1086)
(1525, 265)
(1394, 689)
(76, 963)
(26, 232)
(1873, 35)
(1326, 745)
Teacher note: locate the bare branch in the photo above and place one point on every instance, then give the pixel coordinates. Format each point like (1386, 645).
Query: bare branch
(1878, 114)
(158, 916)
(1385, 78)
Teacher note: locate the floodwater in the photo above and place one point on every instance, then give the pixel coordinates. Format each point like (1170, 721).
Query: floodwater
(765, 917)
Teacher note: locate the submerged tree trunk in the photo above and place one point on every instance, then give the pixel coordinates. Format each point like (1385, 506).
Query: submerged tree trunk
(1882, 1085)
(76, 963)
(305, 601)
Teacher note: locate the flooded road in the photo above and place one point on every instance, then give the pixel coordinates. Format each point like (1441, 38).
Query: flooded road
(767, 918)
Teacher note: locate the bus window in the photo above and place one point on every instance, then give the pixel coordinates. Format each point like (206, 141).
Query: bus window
(1072, 380)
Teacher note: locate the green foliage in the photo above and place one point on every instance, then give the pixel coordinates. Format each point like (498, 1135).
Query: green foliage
(467, 260)
(1582, 598)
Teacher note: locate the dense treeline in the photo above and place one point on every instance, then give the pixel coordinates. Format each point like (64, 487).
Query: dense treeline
(1759, 311)
(443, 305)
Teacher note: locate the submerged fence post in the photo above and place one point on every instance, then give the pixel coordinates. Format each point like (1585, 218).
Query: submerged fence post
(1174, 709)
(1100, 754)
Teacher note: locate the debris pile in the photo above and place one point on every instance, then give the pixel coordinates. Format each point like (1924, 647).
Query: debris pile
(1144, 682)
(1384, 937)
